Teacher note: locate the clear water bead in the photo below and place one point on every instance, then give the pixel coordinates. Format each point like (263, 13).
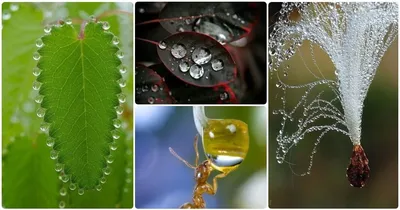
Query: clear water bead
(201, 55)
(39, 99)
(81, 191)
(217, 64)
(115, 40)
(162, 45)
(178, 51)
(154, 88)
(115, 134)
(39, 43)
(44, 126)
(68, 21)
(107, 170)
(14, 7)
(106, 26)
(72, 186)
(36, 56)
(61, 204)
(117, 123)
(41, 112)
(121, 98)
(113, 145)
(122, 82)
(196, 71)
(53, 154)
(6, 15)
(110, 158)
(59, 167)
(63, 191)
(36, 71)
(151, 100)
(120, 54)
(50, 142)
(98, 187)
(119, 110)
(103, 180)
(36, 85)
(122, 69)
(184, 66)
(47, 29)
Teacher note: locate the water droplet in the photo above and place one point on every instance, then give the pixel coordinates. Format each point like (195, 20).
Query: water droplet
(36, 71)
(180, 29)
(196, 71)
(36, 56)
(107, 170)
(41, 112)
(110, 159)
(63, 191)
(6, 15)
(39, 43)
(106, 26)
(68, 21)
(121, 98)
(128, 180)
(150, 100)
(178, 51)
(217, 64)
(201, 55)
(113, 145)
(98, 187)
(115, 134)
(36, 85)
(119, 110)
(39, 99)
(184, 66)
(117, 123)
(59, 167)
(122, 69)
(44, 126)
(126, 190)
(121, 82)
(53, 154)
(61, 204)
(115, 40)
(81, 191)
(162, 45)
(141, 10)
(47, 29)
(103, 180)
(223, 96)
(50, 142)
(14, 7)
(234, 16)
(120, 54)
(72, 186)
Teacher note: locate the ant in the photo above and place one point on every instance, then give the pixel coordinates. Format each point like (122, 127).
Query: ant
(201, 174)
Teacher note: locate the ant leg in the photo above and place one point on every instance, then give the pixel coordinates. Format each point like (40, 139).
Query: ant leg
(196, 149)
(212, 190)
(187, 206)
(181, 159)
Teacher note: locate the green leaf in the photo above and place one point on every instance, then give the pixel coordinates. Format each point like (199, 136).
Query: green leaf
(19, 35)
(79, 84)
(29, 178)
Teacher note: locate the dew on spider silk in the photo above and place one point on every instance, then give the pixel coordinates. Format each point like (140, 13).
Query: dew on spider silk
(39, 42)
(36, 56)
(122, 69)
(110, 158)
(36, 85)
(217, 64)
(98, 187)
(121, 98)
(115, 40)
(47, 29)
(61, 204)
(39, 99)
(107, 170)
(115, 134)
(178, 51)
(162, 45)
(151, 100)
(201, 55)
(50, 142)
(103, 180)
(72, 186)
(14, 7)
(41, 112)
(106, 26)
(36, 71)
(81, 191)
(6, 15)
(223, 96)
(196, 71)
(63, 191)
(68, 21)
(44, 126)
(122, 82)
(59, 167)
(119, 110)
(120, 54)
(154, 88)
(113, 145)
(53, 154)
(117, 123)
(184, 66)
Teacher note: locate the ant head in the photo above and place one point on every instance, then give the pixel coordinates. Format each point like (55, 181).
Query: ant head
(203, 171)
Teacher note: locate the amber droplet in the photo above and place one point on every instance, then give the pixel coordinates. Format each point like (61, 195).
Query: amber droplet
(358, 170)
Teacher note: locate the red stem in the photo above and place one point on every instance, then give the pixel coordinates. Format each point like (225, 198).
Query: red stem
(146, 40)
(169, 19)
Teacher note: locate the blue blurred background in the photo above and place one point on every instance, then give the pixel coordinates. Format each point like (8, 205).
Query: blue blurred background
(162, 181)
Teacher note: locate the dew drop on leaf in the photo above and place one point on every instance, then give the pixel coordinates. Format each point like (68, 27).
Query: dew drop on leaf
(53, 154)
(106, 26)
(61, 204)
(196, 71)
(150, 100)
(39, 99)
(120, 54)
(201, 55)
(117, 123)
(178, 51)
(59, 167)
(81, 191)
(122, 69)
(44, 126)
(68, 21)
(121, 98)
(115, 134)
(154, 88)
(98, 187)
(217, 64)
(72, 186)
(47, 29)
(63, 191)
(180, 29)
(107, 170)
(183, 66)
(113, 145)
(39, 43)
(119, 110)
(36, 85)
(110, 158)
(14, 7)
(6, 15)
(36, 56)
(121, 82)
(50, 142)
(36, 71)
(40, 112)
(115, 40)
(103, 180)
(162, 45)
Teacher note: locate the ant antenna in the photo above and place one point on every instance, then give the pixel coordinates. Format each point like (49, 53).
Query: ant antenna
(181, 159)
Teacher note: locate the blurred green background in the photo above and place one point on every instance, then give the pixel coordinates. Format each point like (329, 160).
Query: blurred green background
(162, 181)
(327, 186)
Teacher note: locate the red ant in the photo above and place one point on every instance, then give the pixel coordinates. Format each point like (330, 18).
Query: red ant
(201, 174)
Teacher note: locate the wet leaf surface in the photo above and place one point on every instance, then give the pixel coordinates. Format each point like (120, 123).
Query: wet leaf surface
(197, 59)
(150, 87)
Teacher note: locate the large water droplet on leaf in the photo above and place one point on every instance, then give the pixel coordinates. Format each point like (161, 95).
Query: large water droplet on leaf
(178, 51)
(217, 64)
(196, 71)
(201, 55)
(183, 66)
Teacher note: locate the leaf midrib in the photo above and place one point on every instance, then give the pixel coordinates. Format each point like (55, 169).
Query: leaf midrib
(84, 99)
